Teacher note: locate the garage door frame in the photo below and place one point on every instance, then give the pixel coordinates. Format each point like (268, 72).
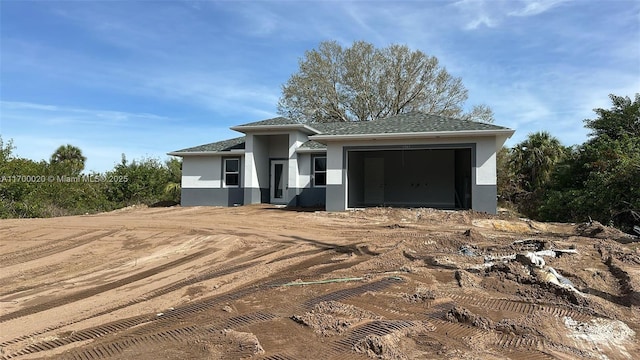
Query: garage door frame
(452, 146)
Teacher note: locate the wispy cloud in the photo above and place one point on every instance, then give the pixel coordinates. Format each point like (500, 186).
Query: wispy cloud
(103, 135)
(536, 7)
(491, 13)
(151, 77)
(76, 115)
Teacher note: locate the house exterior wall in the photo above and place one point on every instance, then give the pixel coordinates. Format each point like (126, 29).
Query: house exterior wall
(483, 182)
(294, 183)
(260, 149)
(202, 183)
(202, 179)
(307, 194)
(256, 169)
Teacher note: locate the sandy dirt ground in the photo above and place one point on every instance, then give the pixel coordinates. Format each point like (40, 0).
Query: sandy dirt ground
(262, 282)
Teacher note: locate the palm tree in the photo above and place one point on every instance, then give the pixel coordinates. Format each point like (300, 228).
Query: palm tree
(69, 157)
(535, 158)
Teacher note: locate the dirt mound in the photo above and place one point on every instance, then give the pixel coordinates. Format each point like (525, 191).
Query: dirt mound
(517, 327)
(474, 236)
(421, 294)
(381, 347)
(462, 315)
(164, 203)
(330, 318)
(513, 271)
(595, 229)
(390, 346)
(466, 280)
(244, 342)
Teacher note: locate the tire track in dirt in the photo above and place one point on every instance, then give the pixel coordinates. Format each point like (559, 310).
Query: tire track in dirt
(226, 269)
(528, 346)
(64, 300)
(351, 292)
(52, 247)
(148, 325)
(520, 307)
(119, 326)
(628, 295)
(154, 322)
(183, 334)
(343, 348)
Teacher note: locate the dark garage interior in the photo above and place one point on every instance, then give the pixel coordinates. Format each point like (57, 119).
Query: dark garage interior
(437, 178)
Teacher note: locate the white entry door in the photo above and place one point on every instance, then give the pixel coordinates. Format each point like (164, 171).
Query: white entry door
(279, 186)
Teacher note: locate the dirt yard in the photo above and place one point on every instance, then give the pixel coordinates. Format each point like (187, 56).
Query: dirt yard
(268, 283)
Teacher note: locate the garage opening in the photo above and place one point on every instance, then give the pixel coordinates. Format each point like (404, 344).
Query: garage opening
(438, 178)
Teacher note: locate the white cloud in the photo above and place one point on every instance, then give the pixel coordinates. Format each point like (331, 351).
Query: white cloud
(103, 135)
(536, 7)
(491, 13)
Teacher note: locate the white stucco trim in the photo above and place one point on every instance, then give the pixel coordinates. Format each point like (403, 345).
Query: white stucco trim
(276, 128)
(207, 153)
(413, 135)
(311, 151)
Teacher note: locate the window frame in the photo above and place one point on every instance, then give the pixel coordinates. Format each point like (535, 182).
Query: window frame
(314, 171)
(225, 172)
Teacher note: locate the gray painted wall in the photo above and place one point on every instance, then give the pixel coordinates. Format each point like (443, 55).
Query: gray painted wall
(308, 197)
(485, 198)
(335, 198)
(256, 195)
(212, 197)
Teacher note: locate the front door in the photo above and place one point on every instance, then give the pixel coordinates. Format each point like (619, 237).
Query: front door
(279, 186)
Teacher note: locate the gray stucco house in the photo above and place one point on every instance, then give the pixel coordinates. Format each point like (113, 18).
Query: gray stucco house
(409, 160)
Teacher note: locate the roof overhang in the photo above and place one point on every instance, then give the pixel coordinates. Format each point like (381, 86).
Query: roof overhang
(275, 128)
(414, 135)
(310, 150)
(206, 153)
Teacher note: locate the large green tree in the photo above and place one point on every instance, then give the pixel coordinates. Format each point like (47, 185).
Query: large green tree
(603, 181)
(362, 82)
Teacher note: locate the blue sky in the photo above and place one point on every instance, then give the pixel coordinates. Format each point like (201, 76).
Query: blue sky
(147, 77)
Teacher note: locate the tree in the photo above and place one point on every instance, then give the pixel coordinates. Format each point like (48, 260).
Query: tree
(363, 83)
(69, 158)
(623, 119)
(173, 188)
(140, 181)
(6, 150)
(602, 181)
(535, 159)
(507, 181)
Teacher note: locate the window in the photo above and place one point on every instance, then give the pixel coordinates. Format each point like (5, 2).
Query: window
(320, 171)
(231, 172)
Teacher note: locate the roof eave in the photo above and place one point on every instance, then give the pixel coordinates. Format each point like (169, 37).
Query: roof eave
(249, 128)
(310, 150)
(413, 135)
(206, 153)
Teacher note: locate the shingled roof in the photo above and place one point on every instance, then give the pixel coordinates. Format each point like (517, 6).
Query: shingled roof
(224, 145)
(271, 122)
(312, 145)
(414, 122)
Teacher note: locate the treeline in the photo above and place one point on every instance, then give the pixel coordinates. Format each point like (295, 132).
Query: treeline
(59, 187)
(598, 180)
